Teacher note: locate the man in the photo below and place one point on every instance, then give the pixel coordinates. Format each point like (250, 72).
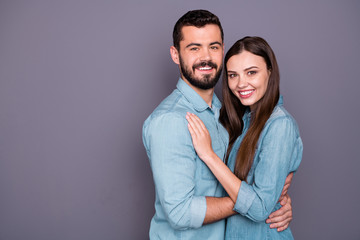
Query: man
(188, 197)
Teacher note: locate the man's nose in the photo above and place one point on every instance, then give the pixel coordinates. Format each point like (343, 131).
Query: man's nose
(205, 55)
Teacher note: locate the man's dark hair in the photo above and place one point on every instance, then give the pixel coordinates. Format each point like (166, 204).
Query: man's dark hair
(196, 18)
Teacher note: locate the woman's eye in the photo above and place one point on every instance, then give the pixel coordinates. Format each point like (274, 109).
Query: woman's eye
(232, 75)
(251, 72)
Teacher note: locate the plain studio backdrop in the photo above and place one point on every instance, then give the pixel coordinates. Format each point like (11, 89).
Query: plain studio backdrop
(78, 78)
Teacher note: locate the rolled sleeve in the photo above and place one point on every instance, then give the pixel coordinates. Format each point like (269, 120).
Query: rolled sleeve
(197, 211)
(243, 204)
(172, 159)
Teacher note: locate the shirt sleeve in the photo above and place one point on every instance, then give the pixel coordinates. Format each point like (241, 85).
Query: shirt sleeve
(277, 153)
(172, 157)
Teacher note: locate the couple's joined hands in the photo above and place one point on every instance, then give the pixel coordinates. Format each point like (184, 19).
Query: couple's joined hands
(201, 139)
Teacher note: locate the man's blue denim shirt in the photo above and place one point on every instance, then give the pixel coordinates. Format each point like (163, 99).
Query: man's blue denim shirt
(181, 179)
(279, 152)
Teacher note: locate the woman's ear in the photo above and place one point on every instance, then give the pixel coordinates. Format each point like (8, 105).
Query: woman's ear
(269, 71)
(174, 55)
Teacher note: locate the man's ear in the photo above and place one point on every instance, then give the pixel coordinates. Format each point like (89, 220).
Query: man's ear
(174, 55)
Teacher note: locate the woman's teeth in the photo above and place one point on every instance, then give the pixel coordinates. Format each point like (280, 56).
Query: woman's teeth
(246, 92)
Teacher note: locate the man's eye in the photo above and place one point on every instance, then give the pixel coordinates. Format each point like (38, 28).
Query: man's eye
(214, 47)
(194, 49)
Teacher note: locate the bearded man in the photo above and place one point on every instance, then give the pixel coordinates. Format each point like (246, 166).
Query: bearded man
(190, 203)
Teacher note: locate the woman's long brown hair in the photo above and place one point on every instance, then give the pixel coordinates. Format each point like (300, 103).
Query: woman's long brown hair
(232, 110)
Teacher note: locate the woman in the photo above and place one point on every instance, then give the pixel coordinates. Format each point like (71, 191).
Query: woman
(265, 145)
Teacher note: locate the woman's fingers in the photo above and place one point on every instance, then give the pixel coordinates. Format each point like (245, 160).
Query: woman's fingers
(191, 130)
(195, 124)
(199, 122)
(200, 136)
(196, 121)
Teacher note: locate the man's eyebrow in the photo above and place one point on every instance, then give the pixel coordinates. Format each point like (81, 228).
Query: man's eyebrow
(213, 43)
(199, 45)
(193, 44)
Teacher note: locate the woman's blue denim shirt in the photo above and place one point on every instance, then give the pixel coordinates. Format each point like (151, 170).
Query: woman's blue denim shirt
(181, 179)
(279, 152)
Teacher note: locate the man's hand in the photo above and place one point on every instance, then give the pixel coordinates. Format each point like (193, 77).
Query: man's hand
(281, 218)
(286, 186)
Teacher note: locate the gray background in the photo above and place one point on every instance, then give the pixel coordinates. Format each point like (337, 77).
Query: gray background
(78, 78)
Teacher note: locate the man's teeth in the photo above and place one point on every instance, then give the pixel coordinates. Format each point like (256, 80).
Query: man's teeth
(246, 92)
(205, 68)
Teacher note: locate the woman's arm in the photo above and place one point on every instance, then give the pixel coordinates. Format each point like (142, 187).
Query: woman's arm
(202, 144)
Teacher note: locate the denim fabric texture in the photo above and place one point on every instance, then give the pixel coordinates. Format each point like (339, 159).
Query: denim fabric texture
(279, 152)
(181, 179)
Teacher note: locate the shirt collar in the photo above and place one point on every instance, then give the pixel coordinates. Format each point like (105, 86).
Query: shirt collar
(281, 101)
(198, 103)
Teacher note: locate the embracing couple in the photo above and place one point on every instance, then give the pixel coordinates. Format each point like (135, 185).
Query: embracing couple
(221, 170)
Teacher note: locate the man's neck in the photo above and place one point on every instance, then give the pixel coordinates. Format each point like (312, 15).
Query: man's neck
(207, 94)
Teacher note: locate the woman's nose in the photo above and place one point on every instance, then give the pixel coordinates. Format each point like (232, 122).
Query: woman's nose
(242, 82)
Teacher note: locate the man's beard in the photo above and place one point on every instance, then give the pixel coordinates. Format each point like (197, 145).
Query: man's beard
(206, 82)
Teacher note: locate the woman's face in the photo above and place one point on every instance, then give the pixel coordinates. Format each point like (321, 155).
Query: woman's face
(248, 77)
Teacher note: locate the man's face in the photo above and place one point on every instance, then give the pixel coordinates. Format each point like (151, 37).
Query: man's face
(200, 56)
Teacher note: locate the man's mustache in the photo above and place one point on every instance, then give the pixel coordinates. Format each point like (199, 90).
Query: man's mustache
(204, 64)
